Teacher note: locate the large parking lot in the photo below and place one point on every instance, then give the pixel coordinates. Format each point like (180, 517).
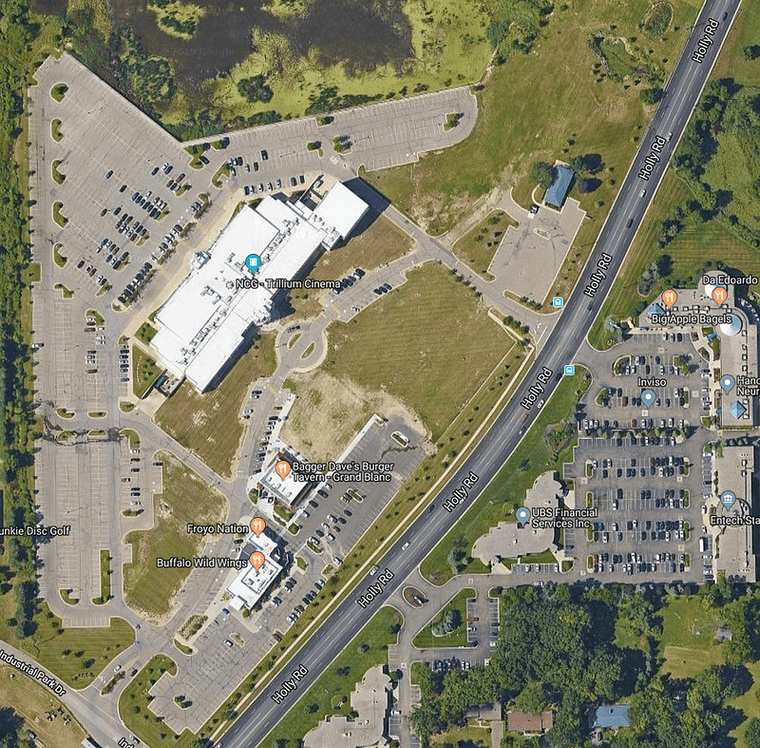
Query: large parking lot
(648, 503)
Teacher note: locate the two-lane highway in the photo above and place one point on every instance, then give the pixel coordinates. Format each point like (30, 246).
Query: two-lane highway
(682, 93)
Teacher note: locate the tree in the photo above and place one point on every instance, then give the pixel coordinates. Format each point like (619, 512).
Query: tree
(255, 88)
(533, 698)
(751, 52)
(752, 735)
(651, 95)
(542, 173)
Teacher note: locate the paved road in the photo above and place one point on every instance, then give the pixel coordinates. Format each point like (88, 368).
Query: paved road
(682, 93)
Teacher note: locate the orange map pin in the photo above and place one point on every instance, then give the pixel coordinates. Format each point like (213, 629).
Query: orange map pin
(719, 294)
(282, 468)
(257, 560)
(258, 525)
(669, 297)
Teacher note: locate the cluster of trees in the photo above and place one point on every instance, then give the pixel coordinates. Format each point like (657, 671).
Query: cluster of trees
(328, 100)
(186, 27)
(16, 416)
(732, 109)
(542, 173)
(255, 89)
(556, 650)
(12, 731)
(451, 621)
(515, 25)
(654, 272)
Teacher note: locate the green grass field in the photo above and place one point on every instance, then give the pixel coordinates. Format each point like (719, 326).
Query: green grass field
(33, 702)
(331, 691)
(469, 736)
(55, 130)
(381, 243)
(478, 246)
(186, 498)
(567, 115)
(209, 424)
(507, 491)
(688, 637)
(426, 639)
(75, 655)
(687, 252)
(134, 705)
(145, 371)
(428, 343)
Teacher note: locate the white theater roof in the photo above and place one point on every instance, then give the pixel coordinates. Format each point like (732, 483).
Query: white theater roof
(206, 319)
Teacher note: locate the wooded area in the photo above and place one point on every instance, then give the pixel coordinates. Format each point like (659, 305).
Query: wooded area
(560, 648)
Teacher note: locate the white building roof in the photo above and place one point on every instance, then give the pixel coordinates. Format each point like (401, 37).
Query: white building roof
(206, 319)
(340, 208)
(286, 489)
(250, 583)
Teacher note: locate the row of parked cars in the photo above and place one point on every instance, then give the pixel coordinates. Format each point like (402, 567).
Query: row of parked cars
(133, 287)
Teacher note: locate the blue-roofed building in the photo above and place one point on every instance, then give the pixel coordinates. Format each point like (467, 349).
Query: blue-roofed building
(613, 716)
(655, 309)
(736, 409)
(557, 192)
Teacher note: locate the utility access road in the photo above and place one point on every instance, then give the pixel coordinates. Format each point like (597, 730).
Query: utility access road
(682, 93)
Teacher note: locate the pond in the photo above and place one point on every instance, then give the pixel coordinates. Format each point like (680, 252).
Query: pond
(341, 30)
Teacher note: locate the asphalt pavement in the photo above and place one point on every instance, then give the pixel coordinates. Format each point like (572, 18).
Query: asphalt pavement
(681, 95)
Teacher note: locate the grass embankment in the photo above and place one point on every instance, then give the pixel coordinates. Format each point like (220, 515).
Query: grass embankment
(58, 216)
(426, 639)
(688, 643)
(58, 178)
(134, 705)
(146, 333)
(145, 371)
(544, 447)
(686, 256)
(331, 691)
(209, 424)
(75, 655)
(33, 702)
(478, 246)
(686, 253)
(185, 498)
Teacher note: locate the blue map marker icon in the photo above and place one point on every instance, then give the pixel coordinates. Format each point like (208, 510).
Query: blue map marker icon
(523, 515)
(727, 498)
(648, 397)
(727, 383)
(253, 262)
